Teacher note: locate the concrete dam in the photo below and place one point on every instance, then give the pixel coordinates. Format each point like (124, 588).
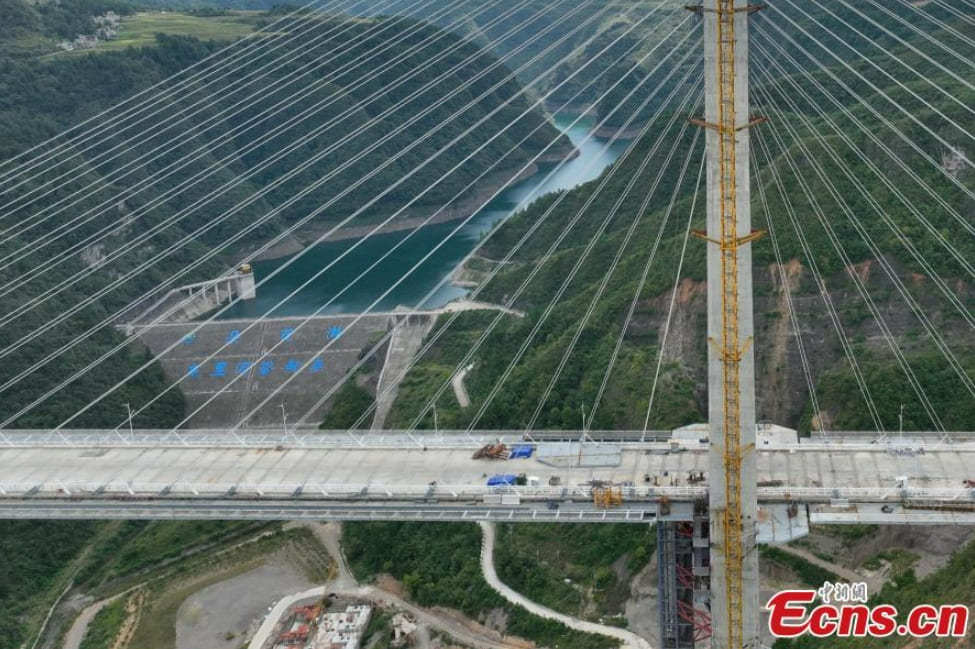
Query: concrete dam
(226, 374)
(228, 368)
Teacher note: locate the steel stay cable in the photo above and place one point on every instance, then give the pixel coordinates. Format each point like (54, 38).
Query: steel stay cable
(940, 24)
(590, 416)
(817, 415)
(240, 107)
(880, 144)
(201, 104)
(435, 336)
(570, 348)
(291, 200)
(134, 141)
(381, 297)
(162, 83)
(848, 263)
(400, 182)
(548, 253)
(278, 129)
(296, 225)
(925, 78)
(673, 292)
(873, 86)
(891, 274)
(914, 49)
(399, 281)
(904, 240)
(946, 4)
(813, 265)
(555, 298)
(636, 297)
(970, 227)
(107, 354)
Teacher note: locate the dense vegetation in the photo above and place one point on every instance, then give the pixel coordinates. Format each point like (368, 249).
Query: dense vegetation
(868, 233)
(601, 34)
(37, 558)
(40, 97)
(334, 73)
(438, 565)
(585, 573)
(26, 26)
(42, 558)
(349, 403)
(953, 584)
(809, 573)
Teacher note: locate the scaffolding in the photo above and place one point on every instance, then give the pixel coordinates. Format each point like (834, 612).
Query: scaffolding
(733, 505)
(607, 496)
(683, 572)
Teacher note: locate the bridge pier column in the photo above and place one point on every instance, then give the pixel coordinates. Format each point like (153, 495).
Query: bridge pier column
(731, 375)
(683, 571)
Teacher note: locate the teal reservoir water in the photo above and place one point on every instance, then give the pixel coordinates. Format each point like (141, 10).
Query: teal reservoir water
(594, 156)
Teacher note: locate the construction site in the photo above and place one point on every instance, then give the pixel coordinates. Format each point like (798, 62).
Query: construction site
(313, 626)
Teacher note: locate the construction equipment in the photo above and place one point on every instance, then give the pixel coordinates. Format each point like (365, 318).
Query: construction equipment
(502, 480)
(731, 390)
(608, 496)
(491, 452)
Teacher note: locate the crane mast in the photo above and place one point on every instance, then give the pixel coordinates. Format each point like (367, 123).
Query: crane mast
(732, 503)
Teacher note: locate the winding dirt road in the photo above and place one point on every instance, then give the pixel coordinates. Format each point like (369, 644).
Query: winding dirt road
(628, 639)
(345, 585)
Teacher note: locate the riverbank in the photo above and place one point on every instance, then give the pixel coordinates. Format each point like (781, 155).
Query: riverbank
(630, 133)
(415, 218)
(352, 273)
(603, 132)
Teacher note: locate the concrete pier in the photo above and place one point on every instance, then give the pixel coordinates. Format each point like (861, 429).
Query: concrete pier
(730, 388)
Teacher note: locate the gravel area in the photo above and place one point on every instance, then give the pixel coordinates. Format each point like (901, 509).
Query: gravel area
(224, 615)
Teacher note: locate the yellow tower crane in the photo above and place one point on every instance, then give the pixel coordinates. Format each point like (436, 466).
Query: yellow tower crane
(728, 233)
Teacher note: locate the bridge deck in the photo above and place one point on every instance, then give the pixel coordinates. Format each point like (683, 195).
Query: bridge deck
(799, 472)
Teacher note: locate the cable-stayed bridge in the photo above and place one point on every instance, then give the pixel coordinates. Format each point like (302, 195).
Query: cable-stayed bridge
(433, 476)
(860, 172)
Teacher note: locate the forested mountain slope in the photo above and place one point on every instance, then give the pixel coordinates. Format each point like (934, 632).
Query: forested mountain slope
(602, 36)
(42, 94)
(385, 108)
(840, 230)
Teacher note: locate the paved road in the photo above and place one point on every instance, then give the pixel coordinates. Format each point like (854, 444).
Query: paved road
(466, 305)
(629, 639)
(346, 585)
(74, 636)
(463, 399)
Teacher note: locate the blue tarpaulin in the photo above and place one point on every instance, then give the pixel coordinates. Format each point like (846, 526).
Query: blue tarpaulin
(521, 451)
(501, 479)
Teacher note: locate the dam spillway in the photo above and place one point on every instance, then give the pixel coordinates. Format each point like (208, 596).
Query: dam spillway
(232, 366)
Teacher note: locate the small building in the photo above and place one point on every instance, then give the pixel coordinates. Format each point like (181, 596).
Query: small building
(403, 628)
(343, 630)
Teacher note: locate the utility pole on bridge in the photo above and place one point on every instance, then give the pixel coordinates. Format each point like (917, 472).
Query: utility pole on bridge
(733, 503)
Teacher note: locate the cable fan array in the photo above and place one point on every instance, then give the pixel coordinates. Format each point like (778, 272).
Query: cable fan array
(324, 121)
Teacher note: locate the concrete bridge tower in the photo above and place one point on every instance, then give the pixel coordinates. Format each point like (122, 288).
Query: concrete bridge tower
(733, 504)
